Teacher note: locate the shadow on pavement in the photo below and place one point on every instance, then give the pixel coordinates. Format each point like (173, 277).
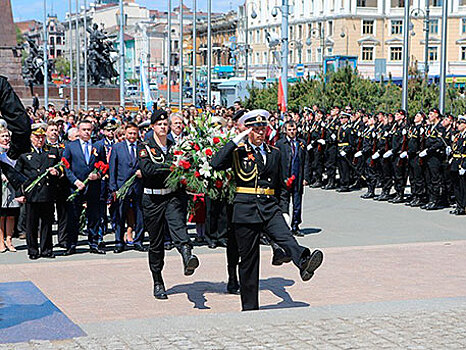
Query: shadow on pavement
(311, 231)
(196, 292)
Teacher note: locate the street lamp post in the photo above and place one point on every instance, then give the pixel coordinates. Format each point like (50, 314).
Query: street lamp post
(46, 59)
(78, 59)
(246, 38)
(169, 54)
(209, 52)
(122, 55)
(85, 55)
(70, 43)
(285, 9)
(443, 57)
(194, 51)
(404, 98)
(180, 102)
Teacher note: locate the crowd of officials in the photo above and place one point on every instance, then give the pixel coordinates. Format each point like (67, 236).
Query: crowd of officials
(272, 156)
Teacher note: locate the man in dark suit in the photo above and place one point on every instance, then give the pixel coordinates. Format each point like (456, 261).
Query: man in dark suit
(123, 165)
(258, 207)
(39, 200)
(52, 141)
(295, 168)
(106, 143)
(82, 154)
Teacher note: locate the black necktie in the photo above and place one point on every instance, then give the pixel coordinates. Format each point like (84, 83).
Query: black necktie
(293, 147)
(260, 160)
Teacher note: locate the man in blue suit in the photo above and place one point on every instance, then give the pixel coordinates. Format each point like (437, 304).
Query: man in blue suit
(123, 165)
(82, 154)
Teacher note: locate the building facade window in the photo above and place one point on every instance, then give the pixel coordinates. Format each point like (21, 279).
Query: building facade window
(368, 27)
(330, 28)
(433, 26)
(329, 51)
(396, 53)
(397, 27)
(309, 55)
(463, 25)
(367, 53)
(463, 53)
(366, 3)
(433, 54)
(437, 3)
(319, 54)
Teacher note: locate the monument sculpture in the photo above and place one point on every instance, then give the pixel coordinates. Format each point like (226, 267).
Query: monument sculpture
(34, 67)
(100, 63)
(10, 56)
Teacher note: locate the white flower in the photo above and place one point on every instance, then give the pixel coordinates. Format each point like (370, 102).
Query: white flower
(205, 169)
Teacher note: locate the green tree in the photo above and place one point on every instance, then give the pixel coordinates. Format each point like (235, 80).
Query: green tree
(19, 36)
(62, 66)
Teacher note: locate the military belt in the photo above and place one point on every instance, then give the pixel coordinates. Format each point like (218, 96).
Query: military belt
(459, 155)
(160, 192)
(252, 190)
(343, 144)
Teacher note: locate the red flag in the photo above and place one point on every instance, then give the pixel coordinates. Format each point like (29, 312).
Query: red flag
(281, 96)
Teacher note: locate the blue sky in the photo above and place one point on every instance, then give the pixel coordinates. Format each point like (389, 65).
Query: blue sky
(33, 9)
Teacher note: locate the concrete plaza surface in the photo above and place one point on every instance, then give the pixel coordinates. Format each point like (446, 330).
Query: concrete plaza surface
(393, 277)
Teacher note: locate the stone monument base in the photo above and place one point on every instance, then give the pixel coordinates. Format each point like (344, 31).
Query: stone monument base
(109, 96)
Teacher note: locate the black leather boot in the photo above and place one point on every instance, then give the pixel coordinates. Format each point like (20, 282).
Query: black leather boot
(190, 261)
(159, 287)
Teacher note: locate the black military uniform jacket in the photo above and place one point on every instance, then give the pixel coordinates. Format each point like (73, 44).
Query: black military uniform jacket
(385, 139)
(459, 152)
(286, 161)
(369, 136)
(344, 138)
(34, 164)
(154, 164)
(331, 131)
(249, 173)
(435, 143)
(415, 139)
(399, 137)
(64, 185)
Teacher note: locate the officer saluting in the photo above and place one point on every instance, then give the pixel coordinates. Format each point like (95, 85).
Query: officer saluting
(257, 206)
(163, 209)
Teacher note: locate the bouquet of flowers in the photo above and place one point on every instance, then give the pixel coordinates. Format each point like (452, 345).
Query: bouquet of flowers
(63, 163)
(191, 167)
(123, 191)
(99, 168)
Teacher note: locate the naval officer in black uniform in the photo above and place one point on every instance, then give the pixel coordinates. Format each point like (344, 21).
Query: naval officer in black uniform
(258, 206)
(163, 209)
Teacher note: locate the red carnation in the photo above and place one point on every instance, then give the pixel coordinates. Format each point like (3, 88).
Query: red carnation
(185, 164)
(65, 163)
(219, 184)
(196, 147)
(197, 174)
(184, 182)
(178, 153)
(208, 152)
(216, 140)
(289, 182)
(172, 167)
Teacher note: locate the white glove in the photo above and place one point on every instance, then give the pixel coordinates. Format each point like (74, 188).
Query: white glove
(334, 137)
(342, 153)
(287, 218)
(448, 150)
(388, 154)
(423, 153)
(462, 171)
(404, 155)
(309, 147)
(238, 138)
(358, 154)
(321, 141)
(376, 155)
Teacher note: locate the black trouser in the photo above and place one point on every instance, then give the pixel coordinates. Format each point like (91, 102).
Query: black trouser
(317, 165)
(216, 221)
(447, 182)
(399, 174)
(248, 236)
(387, 175)
(416, 176)
(331, 162)
(434, 180)
(459, 188)
(371, 174)
(344, 170)
(92, 214)
(42, 212)
(62, 219)
(297, 199)
(232, 246)
(162, 214)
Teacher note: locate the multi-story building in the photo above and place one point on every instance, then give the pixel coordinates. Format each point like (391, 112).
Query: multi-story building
(56, 34)
(372, 30)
